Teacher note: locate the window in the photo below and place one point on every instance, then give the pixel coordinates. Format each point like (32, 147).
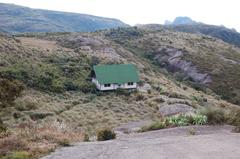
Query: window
(130, 83)
(107, 85)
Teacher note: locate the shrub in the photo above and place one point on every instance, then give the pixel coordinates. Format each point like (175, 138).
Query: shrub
(105, 134)
(88, 87)
(40, 115)
(27, 103)
(64, 142)
(184, 120)
(214, 115)
(9, 90)
(4, 131)
(18, 155)
(199, 119)
(86, 138)
(234, 119)
(154, 126)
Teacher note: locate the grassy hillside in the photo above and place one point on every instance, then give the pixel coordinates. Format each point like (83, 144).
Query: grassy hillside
(188, 55)
(18, 19)
(59, 104)
(230, 36)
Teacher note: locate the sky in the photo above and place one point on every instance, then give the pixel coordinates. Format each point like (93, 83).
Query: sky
(216, 12)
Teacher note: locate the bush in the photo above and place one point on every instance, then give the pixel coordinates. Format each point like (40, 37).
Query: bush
(39, 115)
(154, 126)
(214, 115)
(199, 119)
(64, 142)
(9, 91)
(18, 155)
(3, 128)
(184, 120)
(180, 120)
(105, 134)
(86, 138)
(124, 92)
(26, 103)
(88, 87)
(234, 119)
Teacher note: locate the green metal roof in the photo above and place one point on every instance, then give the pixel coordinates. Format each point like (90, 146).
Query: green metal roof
(117, 73)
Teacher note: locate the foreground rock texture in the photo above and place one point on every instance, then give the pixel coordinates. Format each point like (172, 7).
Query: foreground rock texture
(209, 142)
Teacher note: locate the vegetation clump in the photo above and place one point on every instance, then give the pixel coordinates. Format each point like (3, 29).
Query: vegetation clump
(9, 91)
(175, 121)
(106, 134)
(17, 155)
(214, 115)
(3, 129)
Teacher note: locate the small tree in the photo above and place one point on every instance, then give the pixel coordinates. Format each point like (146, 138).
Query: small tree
(9, 91)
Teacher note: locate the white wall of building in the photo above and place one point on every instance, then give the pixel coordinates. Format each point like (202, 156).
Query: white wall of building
(113, 86)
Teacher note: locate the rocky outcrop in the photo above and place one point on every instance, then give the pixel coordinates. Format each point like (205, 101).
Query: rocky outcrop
(173, 109)
(172, 59)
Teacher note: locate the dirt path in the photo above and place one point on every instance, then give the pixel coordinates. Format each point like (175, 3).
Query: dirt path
(209, 143)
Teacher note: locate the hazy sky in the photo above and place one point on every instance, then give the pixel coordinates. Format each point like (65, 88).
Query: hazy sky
(217, 12)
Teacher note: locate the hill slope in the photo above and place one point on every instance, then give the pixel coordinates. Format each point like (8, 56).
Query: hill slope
(228, 35)
(18, 19)
(205, 60)
(59, 100)
(186, 24)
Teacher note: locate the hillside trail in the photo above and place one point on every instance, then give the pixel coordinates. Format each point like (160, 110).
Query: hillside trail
(210, 142)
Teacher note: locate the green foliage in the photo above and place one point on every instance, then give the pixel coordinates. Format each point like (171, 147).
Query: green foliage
(105, 134)
(18, 155)
(9, 91)
(174, 121)
(199, 119)
(54, 74)
(184, 120)
(214, 115)
(180, 120)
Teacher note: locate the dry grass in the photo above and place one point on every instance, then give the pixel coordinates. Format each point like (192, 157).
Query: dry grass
(85, 112)
(38, 139)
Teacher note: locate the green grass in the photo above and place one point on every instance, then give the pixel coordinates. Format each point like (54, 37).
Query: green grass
(55, 74)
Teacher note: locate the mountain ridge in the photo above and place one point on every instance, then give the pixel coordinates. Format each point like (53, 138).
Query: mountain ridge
(18, 19)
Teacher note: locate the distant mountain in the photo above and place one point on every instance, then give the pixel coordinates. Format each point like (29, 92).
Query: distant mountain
(186, 24)
(18, 19)
(181, 21)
